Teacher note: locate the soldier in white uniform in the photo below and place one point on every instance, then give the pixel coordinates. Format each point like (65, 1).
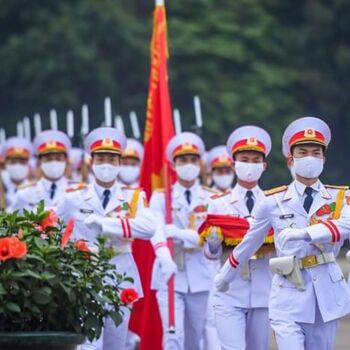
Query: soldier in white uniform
(52, 148)
(108, 208)
(131, 163)
(193, 279)
(242, 312)
(309, 293)
(16, 152)
(220, 164)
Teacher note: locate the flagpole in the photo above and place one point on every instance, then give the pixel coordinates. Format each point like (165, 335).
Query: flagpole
(168, 220)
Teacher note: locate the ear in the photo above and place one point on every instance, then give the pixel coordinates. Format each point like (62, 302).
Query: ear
(265, 166)
(290, 161)
(324, 159)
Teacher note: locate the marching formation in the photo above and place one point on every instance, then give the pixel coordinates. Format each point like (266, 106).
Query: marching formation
(235, 263)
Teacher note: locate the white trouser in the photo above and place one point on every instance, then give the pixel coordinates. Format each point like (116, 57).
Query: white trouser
(211, 338)
(305, 336)
(241, 328)
(112, 338)
(190, 315)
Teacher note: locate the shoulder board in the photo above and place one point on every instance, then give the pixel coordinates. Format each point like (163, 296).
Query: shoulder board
(337, 187)
(77, 187)
(209, 189)
(131, 188)
(220, 194)
(159, 190)
(26, 185)
(275, 190)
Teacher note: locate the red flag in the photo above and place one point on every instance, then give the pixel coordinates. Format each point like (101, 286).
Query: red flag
(159, 130)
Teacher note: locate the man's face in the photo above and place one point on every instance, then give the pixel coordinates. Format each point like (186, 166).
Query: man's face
(307, 150)
(222, 171)
(187, 159)
(16, 160)
(51, 157)
(249, 157)
(130, 161)
(105, 158)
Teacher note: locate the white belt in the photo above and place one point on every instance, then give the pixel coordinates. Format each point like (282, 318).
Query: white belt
(315, 260)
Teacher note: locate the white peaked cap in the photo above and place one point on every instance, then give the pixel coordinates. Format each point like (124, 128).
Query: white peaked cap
(105, 139)
(219, 157)
(305, 130)
(249, 138)
(51, 141)
(184, 143)
(17, 147)
(133, 149)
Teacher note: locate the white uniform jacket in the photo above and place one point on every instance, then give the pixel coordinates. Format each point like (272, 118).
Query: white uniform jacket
(30, 195)
(126, 214)
(250, 289)
(195, 276)
(325, 283)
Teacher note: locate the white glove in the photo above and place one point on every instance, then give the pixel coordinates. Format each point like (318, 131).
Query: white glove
(94, 222)
(167, 265)
(171, 231)
(224, 277)
(292, 234)
(214, 241)
(189, 237)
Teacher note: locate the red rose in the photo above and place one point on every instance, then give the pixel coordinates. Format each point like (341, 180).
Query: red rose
(50, 220)
(67, 233)
(128, 296)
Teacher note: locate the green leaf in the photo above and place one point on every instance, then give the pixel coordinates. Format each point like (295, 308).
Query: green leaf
(116, 317)
(46, 275)
(2, 290)
(13, 307)
(42, 297)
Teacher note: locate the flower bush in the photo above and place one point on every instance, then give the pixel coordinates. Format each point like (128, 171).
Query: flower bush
(49, 282)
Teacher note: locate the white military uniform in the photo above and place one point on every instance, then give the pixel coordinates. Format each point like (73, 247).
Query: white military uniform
(15, 147)
(125, 217)
(302, 318)
(244, 307)
(217, 157)
(193, 279)
(28, 197)
(130, 174)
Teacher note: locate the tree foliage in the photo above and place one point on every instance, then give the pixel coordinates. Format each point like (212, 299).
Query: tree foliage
(261, 62)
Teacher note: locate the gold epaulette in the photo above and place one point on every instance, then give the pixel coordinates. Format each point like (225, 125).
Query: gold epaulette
(29, 184)
(337, 187)
(275, 190)
(77, 187)
(209, 189)
(220, 194)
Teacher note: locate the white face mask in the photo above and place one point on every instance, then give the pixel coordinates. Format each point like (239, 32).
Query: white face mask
(223, 182)
(129, 173)
(105, 172)
(249, 172)
(18, 172)
(308, 167)
(187, 172)
(53, 169)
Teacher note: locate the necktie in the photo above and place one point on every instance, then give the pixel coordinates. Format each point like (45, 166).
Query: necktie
(188, 196)
(308, 199)
(53, 190)
(106, 195)
(250, 201)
